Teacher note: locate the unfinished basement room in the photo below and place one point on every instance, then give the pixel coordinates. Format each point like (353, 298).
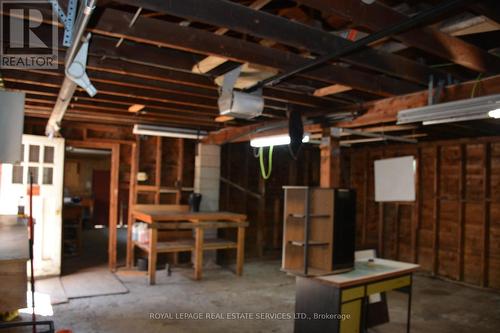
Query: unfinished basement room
(254, 166)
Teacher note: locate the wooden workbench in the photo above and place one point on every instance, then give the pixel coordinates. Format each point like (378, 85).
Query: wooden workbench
(163, 218)
(348, 293)
(14, 253)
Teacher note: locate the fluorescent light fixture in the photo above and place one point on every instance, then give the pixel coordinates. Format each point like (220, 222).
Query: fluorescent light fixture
(171, 132)
(87, 151)
(463, 110)
(494, 113)
(275, 140)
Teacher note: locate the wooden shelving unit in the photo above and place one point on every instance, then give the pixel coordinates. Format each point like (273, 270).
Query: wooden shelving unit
(312, 217)
(164, 162)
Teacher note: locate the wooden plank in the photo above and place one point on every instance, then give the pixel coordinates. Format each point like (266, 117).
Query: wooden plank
(331, 90)
(209, 63)
(486, 215)
(275, 28)
(111, 23)
(377, 17)
(162, 213)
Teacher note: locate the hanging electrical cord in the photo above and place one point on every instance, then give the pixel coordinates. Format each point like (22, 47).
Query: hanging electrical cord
(473, 92)
(269, 162)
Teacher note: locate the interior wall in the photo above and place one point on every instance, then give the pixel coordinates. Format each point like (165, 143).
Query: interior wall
(453, 228)
(243, 190)
(78, 172)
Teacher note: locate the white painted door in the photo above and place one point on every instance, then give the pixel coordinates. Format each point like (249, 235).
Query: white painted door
(44, 159)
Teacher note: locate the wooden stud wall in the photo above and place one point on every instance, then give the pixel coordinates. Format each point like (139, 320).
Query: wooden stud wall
(453, 228)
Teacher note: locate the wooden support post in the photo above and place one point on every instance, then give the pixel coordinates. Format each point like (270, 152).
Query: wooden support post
(330, 167)
(158, 167)
(436, 213)
(132, 197)
(365, 199)
(396, 234)
(261, 217)
(380, 230)
(113, 205)
(486, 215)
(240, 251)
(180, 169)
(153, 238)
(461, 212)
(417, 216)
(198, 253)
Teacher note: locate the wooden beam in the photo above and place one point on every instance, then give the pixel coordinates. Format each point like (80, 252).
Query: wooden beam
(376, 112)
(207, 64)
(331, 90)
(112, 23)
(279, 29)
(377, 16)
(118, 120)
(386, 110)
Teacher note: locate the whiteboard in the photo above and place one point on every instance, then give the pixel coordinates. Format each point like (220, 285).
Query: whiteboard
(395, 179)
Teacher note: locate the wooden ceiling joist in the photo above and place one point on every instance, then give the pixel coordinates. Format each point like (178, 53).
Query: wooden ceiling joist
(112, 23)
(377, 16)
(380, 111)
(272, 27)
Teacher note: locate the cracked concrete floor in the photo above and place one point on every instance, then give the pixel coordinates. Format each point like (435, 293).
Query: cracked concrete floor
(438, 306)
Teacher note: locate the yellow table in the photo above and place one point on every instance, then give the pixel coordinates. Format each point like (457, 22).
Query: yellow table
(320, 299)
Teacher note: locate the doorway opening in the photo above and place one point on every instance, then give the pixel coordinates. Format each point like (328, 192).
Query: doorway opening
(90, 210)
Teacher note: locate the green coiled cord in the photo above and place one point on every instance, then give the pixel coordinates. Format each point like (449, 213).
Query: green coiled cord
(269, 162)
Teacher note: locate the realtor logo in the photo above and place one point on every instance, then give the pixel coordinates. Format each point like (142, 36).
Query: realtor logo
(29, 34)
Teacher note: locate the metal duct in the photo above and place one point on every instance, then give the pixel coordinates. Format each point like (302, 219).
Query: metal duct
(68, 87)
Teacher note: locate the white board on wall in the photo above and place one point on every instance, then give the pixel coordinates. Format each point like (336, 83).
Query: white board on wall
(395, 179)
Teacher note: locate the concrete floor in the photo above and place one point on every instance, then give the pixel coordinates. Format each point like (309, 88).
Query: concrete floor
(438, 306)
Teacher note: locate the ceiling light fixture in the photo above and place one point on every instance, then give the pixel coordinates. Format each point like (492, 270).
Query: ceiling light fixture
(171, 132)
(275, 140)
(463, 110)
(494, 113)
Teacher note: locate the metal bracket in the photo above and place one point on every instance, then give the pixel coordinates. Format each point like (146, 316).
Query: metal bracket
(67, 19)
(76, 70)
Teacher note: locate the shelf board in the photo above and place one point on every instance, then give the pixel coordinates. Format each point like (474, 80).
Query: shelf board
(310, 243)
